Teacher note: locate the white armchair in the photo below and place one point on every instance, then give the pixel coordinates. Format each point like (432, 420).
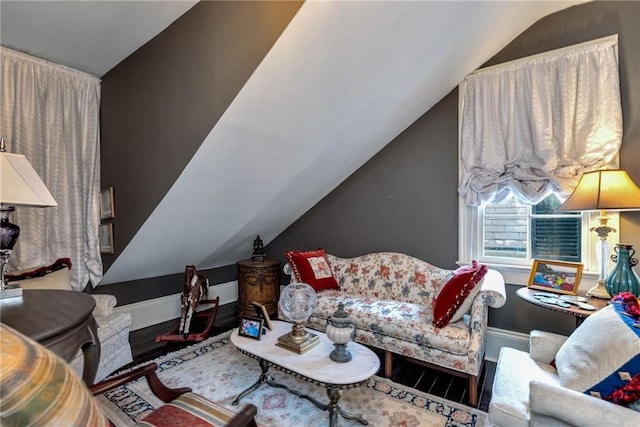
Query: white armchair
(527, 392)
(113, 334)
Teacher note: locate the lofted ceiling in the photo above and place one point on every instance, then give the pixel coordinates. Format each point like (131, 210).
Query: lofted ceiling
(342, 81)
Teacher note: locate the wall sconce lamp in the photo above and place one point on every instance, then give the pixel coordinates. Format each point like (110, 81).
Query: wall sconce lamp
(20, 186)
(605, 190)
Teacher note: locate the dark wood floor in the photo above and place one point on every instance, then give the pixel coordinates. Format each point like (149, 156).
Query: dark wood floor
(431, 381)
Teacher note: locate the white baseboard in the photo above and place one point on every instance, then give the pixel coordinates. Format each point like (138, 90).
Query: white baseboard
(498, 338)
(163, 309)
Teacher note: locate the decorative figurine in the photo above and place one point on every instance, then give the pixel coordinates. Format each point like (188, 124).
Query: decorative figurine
(340, 331)
(258, 250)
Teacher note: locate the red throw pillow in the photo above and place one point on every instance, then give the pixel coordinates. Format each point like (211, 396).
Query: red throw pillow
(457, 295)
(312, 268)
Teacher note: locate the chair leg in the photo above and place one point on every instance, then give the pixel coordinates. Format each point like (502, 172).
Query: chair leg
(388, 363)
(473, 391)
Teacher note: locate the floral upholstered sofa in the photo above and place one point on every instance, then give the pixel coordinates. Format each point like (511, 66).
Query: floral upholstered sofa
(390, 298)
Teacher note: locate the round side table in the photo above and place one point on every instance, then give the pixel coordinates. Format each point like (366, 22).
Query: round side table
(580, 314)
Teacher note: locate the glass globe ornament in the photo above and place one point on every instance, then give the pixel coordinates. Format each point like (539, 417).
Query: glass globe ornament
(297, 302)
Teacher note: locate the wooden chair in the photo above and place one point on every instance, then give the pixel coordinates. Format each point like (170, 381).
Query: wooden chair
(178, 399)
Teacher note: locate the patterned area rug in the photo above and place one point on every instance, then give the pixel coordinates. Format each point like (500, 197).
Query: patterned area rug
(217, 370)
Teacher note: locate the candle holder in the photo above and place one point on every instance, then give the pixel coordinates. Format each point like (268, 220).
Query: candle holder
(340, 331)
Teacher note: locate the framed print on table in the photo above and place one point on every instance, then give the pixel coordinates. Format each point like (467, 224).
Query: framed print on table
(105, 234)
(106, 204)
(250, 327)
(555, 276)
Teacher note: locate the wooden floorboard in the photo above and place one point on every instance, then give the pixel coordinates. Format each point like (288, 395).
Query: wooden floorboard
(450, 387)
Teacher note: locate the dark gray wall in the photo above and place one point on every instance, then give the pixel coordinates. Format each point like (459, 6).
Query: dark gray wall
(405, 198)
(159, 104)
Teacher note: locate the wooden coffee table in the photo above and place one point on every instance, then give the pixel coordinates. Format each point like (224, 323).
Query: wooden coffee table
(314, 366)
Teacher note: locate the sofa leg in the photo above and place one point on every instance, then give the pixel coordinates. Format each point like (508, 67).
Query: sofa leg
(473, 391)
(388, 367)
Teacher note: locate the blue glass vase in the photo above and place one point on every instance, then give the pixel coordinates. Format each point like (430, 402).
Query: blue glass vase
(622, 278)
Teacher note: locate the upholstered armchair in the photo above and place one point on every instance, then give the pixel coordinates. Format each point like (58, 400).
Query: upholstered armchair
(39, 388)
(527, 391)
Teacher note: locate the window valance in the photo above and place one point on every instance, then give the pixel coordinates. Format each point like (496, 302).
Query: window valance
(534, 126)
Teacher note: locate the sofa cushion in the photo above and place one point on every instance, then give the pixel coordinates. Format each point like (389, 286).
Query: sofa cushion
(39, 388)
(401, 320)
(312, 268)
(602, 355)
(456, 296)
(391, 276)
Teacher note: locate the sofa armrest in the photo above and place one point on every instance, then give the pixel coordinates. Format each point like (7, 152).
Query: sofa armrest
(543, 346)
(104, 304)
(493, 291)
(577, 409)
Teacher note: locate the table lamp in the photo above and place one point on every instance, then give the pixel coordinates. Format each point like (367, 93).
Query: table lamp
(20, 186)
(603, 190)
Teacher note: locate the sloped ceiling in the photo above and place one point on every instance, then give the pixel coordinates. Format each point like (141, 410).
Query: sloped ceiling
(342, 81)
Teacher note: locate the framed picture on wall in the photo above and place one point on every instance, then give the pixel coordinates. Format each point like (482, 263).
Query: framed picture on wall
(105, 234)
(555, 276)
(106, 204)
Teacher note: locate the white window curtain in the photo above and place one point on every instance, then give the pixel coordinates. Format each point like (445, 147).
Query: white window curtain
(50, 113)
(534, 126)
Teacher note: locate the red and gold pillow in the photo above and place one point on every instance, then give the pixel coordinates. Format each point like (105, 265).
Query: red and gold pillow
(312, 268)
(456, 296)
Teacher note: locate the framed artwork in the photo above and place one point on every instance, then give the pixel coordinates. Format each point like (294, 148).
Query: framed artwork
(105, 234)
(250, 327)
(555, 276)
(106, 204)
(262, 313)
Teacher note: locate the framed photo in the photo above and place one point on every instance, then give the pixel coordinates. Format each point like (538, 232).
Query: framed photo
(261, 312)
(106, 204)
(250, 327)
(105, 234)
(555, 276)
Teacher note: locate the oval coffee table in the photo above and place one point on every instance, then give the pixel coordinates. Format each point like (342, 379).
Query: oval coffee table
(314, 366)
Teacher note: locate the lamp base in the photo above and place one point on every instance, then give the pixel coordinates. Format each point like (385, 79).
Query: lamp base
(599, 291)
(298, 340)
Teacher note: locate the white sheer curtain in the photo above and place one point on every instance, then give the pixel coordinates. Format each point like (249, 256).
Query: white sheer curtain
(50, 113)
(534, 126)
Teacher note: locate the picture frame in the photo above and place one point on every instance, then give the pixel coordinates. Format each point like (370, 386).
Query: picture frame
(250, 327)
(261, 312)
(105, 235)
(107, 210)
(555, 276)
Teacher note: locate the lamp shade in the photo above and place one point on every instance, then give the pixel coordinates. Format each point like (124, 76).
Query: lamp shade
(20, 185)
(604, 190)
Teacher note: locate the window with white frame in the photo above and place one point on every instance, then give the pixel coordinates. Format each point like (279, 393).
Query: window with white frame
(528, 130)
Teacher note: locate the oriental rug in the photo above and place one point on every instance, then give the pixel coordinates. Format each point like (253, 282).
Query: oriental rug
(217, 370)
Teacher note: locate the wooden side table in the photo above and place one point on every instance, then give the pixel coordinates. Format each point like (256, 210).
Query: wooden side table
(62, 321)
(528, 295)
(258, 281)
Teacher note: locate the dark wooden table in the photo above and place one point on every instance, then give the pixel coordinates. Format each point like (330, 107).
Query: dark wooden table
(60, 320)
(528, 295)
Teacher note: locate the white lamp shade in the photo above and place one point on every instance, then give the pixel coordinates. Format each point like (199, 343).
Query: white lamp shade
(20, 185)
(604, 190)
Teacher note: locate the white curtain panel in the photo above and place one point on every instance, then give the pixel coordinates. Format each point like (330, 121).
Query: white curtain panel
(534, 126)
(50, 113)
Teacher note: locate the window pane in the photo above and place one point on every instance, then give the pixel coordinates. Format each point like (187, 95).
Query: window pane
(525, 232)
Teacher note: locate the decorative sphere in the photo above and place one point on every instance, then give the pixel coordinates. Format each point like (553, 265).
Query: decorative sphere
(297, 301)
